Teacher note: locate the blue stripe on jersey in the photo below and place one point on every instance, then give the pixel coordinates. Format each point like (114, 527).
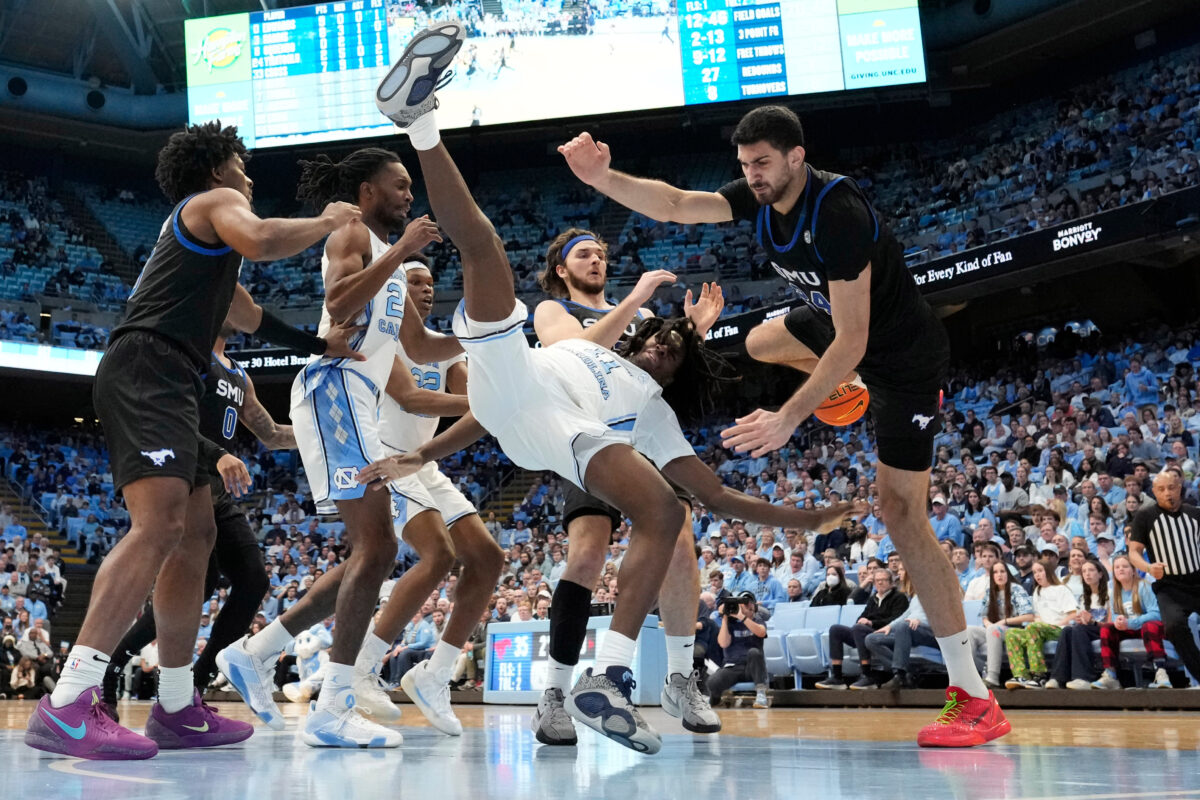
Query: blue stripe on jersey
(564, 304)
(358, 435)
(817, 210)
(190, 245)
(625, 424)
(764, 218)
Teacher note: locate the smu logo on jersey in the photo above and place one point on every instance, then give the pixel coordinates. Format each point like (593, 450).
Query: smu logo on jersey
(803, 282)
(231, 391)
(159, 457)
(630, 329)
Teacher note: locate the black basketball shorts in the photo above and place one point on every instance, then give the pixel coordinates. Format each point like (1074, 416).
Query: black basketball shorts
(147, 396)
(578, 503)
(905, 384)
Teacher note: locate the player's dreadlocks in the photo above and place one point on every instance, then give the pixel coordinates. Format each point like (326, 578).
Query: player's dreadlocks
(324, 180)
(702, 373)
(186, 163)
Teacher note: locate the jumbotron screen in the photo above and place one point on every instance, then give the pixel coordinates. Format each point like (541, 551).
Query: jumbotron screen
(307, 74)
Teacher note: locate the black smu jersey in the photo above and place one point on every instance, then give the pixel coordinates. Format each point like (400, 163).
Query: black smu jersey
(184, 290)
(224, 395)
(832, 233)
(588, 317)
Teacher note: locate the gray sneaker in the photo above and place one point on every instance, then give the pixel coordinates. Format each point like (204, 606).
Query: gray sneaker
(682, 699)
(602, 702)
(551, 724)
(407, 91)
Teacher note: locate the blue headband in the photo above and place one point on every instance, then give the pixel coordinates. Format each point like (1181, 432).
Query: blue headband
(585, 237)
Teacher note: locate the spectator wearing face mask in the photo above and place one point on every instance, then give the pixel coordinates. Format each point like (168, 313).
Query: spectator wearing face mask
(834, 590)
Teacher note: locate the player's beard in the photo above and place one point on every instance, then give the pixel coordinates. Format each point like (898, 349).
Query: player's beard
(771, 197)
(583, 285)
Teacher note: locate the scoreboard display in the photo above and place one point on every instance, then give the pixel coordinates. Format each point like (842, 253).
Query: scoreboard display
(308, 73)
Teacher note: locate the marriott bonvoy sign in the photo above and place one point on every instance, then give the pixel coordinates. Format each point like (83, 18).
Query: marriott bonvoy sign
(1040, 247)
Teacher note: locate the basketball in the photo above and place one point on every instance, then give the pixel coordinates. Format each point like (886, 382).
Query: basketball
(844, 406)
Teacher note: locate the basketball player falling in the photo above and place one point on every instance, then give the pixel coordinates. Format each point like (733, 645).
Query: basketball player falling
(862, 313)
(595, 418)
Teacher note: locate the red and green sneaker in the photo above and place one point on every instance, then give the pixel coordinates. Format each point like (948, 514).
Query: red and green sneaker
(965, 721)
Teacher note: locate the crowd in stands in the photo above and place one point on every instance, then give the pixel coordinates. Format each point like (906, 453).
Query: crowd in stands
(1123, 138)
(1041, 462)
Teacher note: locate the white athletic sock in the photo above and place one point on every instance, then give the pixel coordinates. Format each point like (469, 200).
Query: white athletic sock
(269, 642)
(615, 651)
(83, 670)
(423, 133)
(370, 655)
(339, 680)
(175, 688)
(679, 655)
(442, 660)
(960, 664)
(559, 676)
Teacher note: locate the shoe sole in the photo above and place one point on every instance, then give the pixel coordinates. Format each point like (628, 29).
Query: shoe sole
(333, 742)
(233, 674)
(409, 685)
(979, 737)
(605, 713)
(546, 739)
(672, 709)
(419, 66)
(166, 739)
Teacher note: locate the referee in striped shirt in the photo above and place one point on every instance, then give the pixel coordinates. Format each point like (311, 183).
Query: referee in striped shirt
(1165, 543)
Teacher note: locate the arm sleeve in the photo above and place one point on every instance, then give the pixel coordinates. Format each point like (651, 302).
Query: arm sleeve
(209, 452)
(740, 198)
(276, 331)
(845, 230)
(1150, 612)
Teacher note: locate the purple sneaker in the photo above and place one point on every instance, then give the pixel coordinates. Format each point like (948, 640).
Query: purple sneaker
(83, 730)
(198, 725)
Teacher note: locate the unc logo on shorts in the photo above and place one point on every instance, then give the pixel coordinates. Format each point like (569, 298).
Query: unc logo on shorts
(159, 457)
(345, 477)
(922, 421)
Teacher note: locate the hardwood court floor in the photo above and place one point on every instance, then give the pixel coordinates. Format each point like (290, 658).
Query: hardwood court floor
(784, 753)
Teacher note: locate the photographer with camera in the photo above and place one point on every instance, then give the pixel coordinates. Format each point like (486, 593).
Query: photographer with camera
(743, 631)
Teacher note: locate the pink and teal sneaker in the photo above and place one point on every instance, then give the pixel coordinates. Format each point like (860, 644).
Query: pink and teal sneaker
(82, 730)
(198, 725)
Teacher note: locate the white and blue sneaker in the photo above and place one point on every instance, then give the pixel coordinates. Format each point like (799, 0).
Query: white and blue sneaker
(254, 680)
(1161, 680)
(407, 91)
(371, 697)
(430, 692)
(602, 702)
(342, 726)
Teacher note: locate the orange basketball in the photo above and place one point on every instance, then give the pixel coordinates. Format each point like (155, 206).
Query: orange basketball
(844, 406)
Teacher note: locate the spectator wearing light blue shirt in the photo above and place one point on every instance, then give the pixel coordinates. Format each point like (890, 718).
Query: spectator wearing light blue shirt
(1141, 386)
(739, 580)
(766, 588)
(963, 568)
(945, 525)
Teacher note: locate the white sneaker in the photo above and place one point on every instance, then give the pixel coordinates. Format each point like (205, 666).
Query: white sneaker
(1161, 680)
(1080, 684)
(345, 727)
(407, 91)
(371, 697)
(682, 699)
(430, 692)
(1052, 684)
(298, 691)
(1106, 681)
(254, 680)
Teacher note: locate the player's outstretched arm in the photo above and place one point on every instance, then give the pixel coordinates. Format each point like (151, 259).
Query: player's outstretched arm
(692, 474)
(226, 212)
(402, 388)
(552, 323)
(465, 432)
(421, 344)
(704, 312)
(259, 421)
(762, 431)
(591, 162)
